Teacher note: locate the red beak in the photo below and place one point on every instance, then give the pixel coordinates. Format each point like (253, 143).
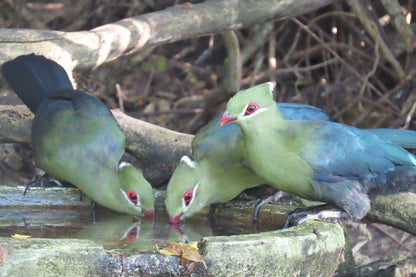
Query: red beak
(175, 219)
(226, 119)
(150, 214)
(175, 227)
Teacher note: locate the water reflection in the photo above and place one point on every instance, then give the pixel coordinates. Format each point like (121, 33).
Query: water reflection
(115, 231)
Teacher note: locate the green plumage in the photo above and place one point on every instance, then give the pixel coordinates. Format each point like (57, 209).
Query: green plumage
(317, 160)
(220, 172)
(75, 137)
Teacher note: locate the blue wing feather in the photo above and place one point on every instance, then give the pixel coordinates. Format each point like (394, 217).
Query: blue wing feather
(213, 139)
(333, 149)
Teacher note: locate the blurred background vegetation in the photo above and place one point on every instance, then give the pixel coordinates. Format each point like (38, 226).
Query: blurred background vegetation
(354, 59)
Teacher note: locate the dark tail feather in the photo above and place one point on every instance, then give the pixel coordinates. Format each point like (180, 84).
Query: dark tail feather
(402, 179)
(34, 78)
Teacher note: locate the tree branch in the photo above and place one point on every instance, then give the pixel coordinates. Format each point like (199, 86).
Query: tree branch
(89, 49)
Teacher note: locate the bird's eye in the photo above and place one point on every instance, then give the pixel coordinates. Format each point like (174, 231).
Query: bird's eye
(251, 108)
(187, 196)
(132, 196)
(131, 235)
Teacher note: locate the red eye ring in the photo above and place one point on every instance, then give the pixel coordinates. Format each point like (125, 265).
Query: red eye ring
(132, 235)
(251, 108)
(132, 196)
(187, 196)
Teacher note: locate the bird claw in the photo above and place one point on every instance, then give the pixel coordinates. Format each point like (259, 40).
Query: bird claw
(320, 213)
(251, 203)
(41, 181)
(92, 210)
(271, 199)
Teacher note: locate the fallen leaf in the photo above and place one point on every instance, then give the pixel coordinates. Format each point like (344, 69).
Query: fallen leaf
(190, 253)
(189, 266)
(172, 249)
(187, 251)
(2, 255)
(193, 244)
(18, 236)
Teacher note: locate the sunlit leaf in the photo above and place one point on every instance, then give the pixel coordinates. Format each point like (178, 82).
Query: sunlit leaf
(191, 253)
(193, 244)
(18, 236)
(172, 249)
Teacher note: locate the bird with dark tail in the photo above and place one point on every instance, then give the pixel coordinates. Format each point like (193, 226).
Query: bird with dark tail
(318, 160)
(75, 137)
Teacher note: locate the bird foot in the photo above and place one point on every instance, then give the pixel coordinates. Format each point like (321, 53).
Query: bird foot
(325, 213)
(212, 209)
(252, 202)
(92, 210)
(271, 199)
(42, 181)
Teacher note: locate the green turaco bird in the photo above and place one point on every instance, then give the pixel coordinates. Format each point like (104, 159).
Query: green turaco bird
(318, 160)
(75, 137)
(218, 154)
(218, 172)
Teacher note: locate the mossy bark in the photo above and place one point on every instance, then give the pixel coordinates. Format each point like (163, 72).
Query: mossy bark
(398, 210)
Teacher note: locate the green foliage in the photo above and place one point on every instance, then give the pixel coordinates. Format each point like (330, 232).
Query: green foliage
(159, 64)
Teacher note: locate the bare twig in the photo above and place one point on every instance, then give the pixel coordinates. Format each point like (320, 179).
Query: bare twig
(335, 54)
(157, 113)
(381, 229)
(372, 30)
(403, 28)
(375, 64)
(120, 97)
(90, 49)
(257, 41)
(232, 79)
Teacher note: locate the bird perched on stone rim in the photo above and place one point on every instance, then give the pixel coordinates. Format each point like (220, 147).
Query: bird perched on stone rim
(318, 160)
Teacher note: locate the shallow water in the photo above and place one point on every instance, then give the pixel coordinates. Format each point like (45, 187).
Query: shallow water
(39, 215)
(58, 213)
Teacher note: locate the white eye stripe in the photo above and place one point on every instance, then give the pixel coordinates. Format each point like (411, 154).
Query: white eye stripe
(137, 227)
(184, 206)
(244, 110)
(243, 113)
(128, 200)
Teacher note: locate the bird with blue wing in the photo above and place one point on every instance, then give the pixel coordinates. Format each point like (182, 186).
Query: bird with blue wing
(318, 160)
(219, 172)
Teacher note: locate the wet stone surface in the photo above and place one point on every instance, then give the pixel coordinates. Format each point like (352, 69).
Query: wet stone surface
(117, 245)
